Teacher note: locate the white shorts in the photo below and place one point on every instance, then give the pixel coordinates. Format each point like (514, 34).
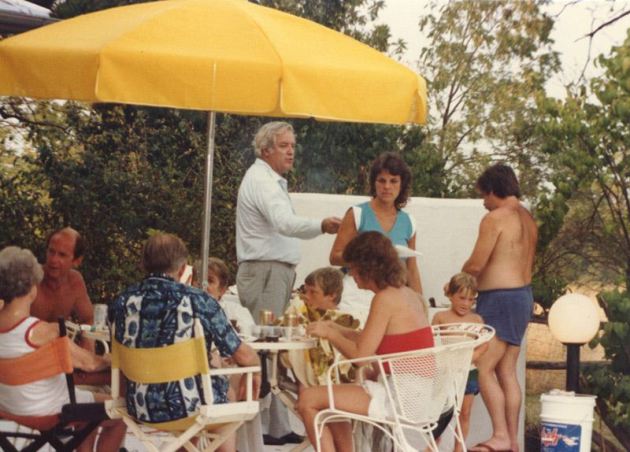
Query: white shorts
(379, 406)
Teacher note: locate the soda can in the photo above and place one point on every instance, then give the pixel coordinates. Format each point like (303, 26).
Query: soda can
(266, 317)
(100, 315)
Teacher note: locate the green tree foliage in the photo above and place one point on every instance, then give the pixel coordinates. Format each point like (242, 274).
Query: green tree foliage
(336, 157)
(24, 204)
(587, 144)
(612, 385)
(486, 63)
(587, 214)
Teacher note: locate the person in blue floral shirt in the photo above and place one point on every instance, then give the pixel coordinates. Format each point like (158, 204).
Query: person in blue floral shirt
(160, 311)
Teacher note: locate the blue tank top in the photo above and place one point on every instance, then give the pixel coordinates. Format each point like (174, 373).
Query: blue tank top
(399, 234)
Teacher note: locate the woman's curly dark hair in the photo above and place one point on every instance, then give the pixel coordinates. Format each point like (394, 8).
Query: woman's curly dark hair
(19, 272)
(375, 259)
(393, 164)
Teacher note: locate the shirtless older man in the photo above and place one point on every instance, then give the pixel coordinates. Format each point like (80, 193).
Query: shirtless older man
(62, 292)
(502, 261)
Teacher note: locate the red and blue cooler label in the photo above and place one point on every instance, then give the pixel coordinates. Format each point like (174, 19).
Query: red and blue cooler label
(557, 437)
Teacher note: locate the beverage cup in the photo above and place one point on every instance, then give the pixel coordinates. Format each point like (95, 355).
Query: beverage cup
(100, 315)
(290, 332)
(266, 317)
(271, 333)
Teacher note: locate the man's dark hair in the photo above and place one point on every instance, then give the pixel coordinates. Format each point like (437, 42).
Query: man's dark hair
(79, 242)
(499, 180)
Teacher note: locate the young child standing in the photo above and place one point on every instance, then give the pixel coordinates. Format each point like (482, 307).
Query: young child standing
(461, 290)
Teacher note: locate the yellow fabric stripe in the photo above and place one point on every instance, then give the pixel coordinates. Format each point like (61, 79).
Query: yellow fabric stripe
(162, 364)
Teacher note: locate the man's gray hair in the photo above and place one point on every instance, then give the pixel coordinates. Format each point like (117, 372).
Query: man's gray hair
(265, 138)
(19, 272)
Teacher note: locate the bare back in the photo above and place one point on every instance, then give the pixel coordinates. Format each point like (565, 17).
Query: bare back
(511, 260)
(394, 310)
(401, 310)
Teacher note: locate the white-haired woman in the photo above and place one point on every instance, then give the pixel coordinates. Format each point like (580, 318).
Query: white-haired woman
(20, 334)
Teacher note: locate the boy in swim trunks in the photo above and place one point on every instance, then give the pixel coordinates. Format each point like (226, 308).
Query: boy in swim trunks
(502, 261)
(461, 290)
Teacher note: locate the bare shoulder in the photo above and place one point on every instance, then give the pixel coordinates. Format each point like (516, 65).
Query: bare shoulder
(384, 299)
(493, 219)
(501, 213)
(348, 219)
(43, 333)
(475, 318)
(381, 297)
(438, 318)
(75, 279)
(525, 213)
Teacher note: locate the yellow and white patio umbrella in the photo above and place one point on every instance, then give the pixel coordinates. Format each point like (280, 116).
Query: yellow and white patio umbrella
(228, 56)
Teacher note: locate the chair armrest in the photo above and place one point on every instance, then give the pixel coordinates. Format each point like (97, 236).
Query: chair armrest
(234, 370)
(478, 332)
(247, 371)
(83, 412)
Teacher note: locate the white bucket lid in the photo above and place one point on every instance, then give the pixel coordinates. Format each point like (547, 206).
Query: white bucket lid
(568, 398)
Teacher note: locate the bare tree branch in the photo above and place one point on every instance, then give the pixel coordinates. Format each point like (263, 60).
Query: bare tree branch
(606, 24)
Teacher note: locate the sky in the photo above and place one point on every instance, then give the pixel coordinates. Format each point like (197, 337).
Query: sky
(573, 20)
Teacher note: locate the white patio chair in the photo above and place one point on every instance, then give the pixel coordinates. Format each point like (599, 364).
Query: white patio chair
(420, 386)
(212, 425)
(452, 333)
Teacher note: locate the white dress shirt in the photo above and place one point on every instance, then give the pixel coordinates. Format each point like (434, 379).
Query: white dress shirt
(267, 227)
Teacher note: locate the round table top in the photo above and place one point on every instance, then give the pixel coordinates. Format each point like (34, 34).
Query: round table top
(301, 343)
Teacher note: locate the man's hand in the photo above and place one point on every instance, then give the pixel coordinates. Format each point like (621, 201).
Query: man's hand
(331, 225)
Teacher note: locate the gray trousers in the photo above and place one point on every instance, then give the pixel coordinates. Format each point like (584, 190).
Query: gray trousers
(267, 285)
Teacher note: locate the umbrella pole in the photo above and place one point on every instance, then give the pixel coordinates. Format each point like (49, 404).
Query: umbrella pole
(207, 211)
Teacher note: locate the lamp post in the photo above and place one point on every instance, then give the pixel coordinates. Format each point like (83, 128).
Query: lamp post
(573, 320)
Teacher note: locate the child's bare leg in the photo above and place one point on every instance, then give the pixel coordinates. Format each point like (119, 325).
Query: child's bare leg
(464, 419)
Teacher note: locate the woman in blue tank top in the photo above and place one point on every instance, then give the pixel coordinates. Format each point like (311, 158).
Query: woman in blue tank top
(390, 181)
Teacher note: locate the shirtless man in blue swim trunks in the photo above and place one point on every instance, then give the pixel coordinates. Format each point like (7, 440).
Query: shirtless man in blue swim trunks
(502, 262)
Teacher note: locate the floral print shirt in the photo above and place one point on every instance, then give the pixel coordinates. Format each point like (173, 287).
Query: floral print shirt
(160, 311)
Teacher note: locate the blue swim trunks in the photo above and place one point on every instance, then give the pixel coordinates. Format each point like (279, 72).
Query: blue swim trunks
(508, 311)
(472, 384)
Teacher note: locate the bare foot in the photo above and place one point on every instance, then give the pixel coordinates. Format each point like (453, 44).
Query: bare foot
(492, 445)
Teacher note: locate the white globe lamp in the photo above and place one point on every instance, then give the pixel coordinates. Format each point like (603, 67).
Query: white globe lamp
(574, 321)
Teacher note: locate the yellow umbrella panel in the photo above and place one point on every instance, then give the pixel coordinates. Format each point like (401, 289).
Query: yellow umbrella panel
(214, 55)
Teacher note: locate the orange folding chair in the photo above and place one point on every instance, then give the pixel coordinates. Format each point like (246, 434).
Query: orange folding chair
(63, 431)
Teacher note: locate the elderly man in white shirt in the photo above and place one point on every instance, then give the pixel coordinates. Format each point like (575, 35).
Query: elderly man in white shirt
(268, 231)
